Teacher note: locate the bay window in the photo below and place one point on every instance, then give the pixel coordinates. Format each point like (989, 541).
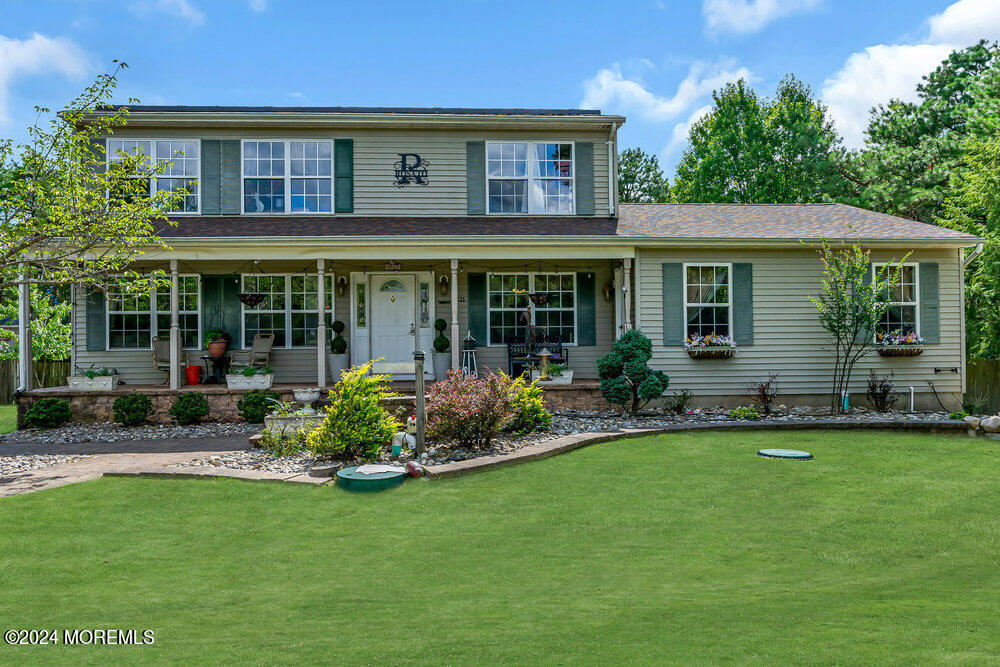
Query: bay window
(287, 176)
(178, 162)
(530, 177)
(707, 305)
(903, 300)
(288, 309)
(508, 300)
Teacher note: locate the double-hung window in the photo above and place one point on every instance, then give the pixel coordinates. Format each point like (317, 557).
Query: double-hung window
(134, 318)
(287, 176)
(903, 300)
(530, 177)
(177, 161)
(288, 309)
(508, 302)
(707, 304)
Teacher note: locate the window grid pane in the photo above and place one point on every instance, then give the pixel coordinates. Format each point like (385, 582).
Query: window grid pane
(298, 309)
(706, 298)
(129, 319)
(508, 298)
(901, 316)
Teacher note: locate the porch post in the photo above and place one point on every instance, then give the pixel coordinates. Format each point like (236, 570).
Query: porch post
(455, 340)
(24, 366)
(627, 289)
(321, 341)
(175, 328)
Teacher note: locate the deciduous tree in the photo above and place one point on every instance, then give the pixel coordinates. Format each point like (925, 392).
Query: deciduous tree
(640, 179)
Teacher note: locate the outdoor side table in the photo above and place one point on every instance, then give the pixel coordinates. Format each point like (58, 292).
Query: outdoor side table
(220, 366)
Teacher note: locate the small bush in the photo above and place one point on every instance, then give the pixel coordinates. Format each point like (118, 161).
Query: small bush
(282, 443)
(763, 392)
(679, 401)
(626, 380)
(880, 391)
(529, 409)
(255, 404)
(132, 409)
(189, 408)
(338, 345)
(958, 416)
(48, 413)
(744, 413)
(975, 405)
(470, 410)
(355, 423)
(441, 342)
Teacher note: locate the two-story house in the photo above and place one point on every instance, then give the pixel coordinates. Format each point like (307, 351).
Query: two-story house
(390, 218)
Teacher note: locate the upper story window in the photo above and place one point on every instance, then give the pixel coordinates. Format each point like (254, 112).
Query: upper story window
(707, 305)
(287, 176)
(903, 299)
(179, 164)
(526, 177)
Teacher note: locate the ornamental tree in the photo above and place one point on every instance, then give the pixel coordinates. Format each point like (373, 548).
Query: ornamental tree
(67, 216)
(50, 326)
(626, 379)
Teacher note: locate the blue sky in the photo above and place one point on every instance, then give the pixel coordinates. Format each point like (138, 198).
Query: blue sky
(655, 61)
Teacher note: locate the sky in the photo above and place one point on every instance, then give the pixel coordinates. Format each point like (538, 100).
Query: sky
(654, 61)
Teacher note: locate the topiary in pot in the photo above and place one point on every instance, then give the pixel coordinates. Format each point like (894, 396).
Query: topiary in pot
(338, 345)
(189, 408)
(132, 409)
(626, 379)
(442, 350)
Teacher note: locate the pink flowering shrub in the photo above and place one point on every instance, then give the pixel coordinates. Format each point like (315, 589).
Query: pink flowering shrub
(470, 410)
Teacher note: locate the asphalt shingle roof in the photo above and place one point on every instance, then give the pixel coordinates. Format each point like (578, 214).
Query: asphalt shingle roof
(450, 111)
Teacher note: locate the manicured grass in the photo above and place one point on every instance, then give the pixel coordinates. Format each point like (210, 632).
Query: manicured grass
(8, 418)
(675, 548)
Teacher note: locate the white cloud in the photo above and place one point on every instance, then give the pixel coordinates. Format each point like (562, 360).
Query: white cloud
(966, 22)
(182, 9)
(38, 54)
(258, 5)
(609, 88)
(681, 132)
(749, 16)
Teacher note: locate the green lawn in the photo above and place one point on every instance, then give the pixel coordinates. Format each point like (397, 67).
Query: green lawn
(8, 418)
(674, 548)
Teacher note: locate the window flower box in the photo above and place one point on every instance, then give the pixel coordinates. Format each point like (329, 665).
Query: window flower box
(710, 346)
(897, 344)
(96, 383)
(900, 351)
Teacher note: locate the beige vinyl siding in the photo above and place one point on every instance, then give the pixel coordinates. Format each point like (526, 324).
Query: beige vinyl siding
(787, 335)
(377, 150)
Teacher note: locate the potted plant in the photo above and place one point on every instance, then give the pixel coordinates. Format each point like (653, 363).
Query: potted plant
(710, 346)
(558, 374)
(338, 359)
(442, 350)
(898, 344)
(250, 377)
(216, 341)
(101, 377)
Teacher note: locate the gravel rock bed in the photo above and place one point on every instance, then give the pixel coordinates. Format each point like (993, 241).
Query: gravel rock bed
(13, 465)
(564, 423)
(109, 432)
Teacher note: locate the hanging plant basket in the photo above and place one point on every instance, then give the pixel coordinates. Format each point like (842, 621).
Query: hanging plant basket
(711, 352)
(900, 351)
(251, 300)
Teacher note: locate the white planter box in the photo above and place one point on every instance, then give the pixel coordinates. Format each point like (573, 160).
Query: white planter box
(565, 378)
(101, 382)
(252, 382)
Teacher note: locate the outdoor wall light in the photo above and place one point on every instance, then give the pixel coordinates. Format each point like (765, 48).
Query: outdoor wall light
(341, 285)
(608, 289)
(443, 284)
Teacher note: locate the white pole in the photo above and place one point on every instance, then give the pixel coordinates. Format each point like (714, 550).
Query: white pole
(626, 291)
(175, 327)
(24, 366)
(455, 342)
(321, 341)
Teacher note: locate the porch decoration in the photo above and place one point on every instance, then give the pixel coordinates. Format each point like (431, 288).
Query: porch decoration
(550, 373)
(442, 350)
(710, 346)
(469, 365)
(100, 378)
(216, 341)
(898, 344)
(251, 377)
(251, 300)
(338, 359)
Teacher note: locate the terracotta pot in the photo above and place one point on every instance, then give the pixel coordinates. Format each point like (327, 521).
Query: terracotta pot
(901, 351)
(218, 348)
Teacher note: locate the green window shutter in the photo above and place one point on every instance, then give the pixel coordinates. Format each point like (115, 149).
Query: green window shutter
(930, 310)
(343, 168)
(586, 309)
(96, 324)
(869, 277)
(743, 303)
(475, 177)
(220, 306)
(673, 304)
(229, 178)
(477, 308)
(211, 176)
(584, 165)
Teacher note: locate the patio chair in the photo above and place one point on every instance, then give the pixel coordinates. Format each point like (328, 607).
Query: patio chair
(258, 355)
(161, 356)
(518, 355)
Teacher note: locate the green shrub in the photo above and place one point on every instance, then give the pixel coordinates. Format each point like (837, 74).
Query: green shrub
(529, 405)
(626, 380)
(744, 413)
(958, 416)
(255, 404)
(48, 413)
(189, 408)
(470, 410)
(679, 401)
(283, 443)
(355, 423)
(338, 345)
(441, 342)
(132, 409)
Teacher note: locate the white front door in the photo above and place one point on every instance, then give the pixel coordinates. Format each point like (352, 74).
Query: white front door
(393, 312)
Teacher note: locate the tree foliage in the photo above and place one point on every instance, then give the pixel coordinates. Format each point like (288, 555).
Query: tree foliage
(626, 379)
(753, 150)
(50, 325)
(68, 217)
(640, 179)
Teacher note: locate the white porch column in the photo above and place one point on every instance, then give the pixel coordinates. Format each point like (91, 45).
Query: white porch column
(175, 328)
(24, 366)
(455, 336)
(321, 341)
(627, 289)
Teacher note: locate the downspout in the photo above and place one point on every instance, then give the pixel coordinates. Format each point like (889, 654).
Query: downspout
(972, 255)
(613, 170)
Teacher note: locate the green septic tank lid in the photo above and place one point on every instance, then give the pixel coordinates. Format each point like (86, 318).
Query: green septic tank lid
(352, 480)
(785, 454)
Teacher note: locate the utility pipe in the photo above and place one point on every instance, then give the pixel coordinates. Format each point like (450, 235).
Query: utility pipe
(972, 255)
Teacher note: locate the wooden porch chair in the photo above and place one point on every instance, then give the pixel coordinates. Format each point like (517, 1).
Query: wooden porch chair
(259, 354)
(161, 355)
